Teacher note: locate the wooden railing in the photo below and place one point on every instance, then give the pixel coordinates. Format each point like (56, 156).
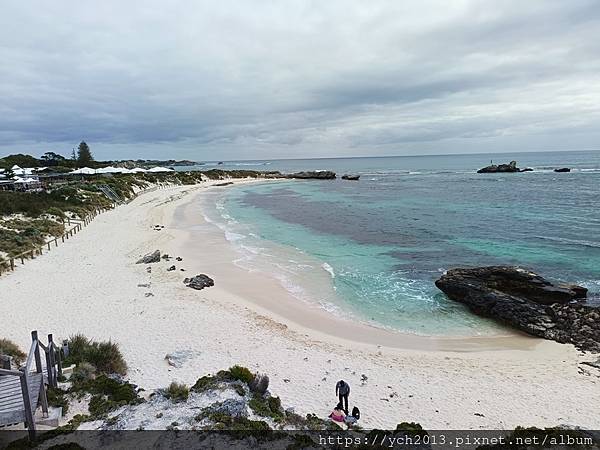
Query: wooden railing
(9, 263)
(26, 373)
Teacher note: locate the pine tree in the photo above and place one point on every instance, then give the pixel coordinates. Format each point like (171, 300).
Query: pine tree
(84, 155)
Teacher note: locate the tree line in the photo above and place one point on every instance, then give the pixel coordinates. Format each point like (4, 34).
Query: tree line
(80, 157)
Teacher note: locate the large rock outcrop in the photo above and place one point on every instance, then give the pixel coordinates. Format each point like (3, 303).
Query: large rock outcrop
(500, 168)
(199, 282)
(315, 174)
(528, 302)
(150, 258)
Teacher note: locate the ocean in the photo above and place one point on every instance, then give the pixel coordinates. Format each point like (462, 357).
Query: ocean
(383, 241)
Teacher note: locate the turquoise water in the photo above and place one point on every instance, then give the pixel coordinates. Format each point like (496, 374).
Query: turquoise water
(381, 242)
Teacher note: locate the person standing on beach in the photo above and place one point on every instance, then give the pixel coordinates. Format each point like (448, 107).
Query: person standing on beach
(342, 390)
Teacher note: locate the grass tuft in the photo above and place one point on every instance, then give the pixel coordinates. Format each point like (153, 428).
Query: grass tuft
(104, 356)
(178, 392)
(9, 348)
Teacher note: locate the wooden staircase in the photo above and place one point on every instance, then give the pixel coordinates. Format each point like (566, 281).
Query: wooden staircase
(23, 391)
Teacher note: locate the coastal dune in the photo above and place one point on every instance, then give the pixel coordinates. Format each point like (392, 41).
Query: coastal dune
(93, 286)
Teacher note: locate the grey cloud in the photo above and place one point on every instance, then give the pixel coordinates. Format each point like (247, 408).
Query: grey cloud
(290, 79)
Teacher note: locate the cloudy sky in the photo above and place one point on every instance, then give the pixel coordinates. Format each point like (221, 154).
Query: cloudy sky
(292, 79)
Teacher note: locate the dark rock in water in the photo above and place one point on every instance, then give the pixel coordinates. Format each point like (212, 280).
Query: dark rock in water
(501, 168)
(316, 175)
(199, 282)
(150, 258)
(528, 302)
(171, 268)
(562, 169)
(179, 258)
(526, 169)
(166, 256)
(350, 177)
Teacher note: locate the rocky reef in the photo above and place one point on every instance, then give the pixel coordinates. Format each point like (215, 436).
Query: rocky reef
(351, 177)
(524, 300)
(313, 175)
(562, 170)
(500, 168)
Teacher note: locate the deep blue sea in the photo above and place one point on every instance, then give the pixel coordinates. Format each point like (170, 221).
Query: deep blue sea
(372, 249)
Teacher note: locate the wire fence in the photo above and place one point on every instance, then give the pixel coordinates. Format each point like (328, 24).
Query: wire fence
(72, 227)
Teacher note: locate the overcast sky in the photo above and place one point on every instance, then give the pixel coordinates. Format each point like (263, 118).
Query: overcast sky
(293, 79)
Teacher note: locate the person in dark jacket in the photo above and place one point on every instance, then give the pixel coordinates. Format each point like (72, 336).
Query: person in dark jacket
(342, 390)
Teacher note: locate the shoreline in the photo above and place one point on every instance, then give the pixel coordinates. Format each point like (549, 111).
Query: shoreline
(93, 286)
(272, 299)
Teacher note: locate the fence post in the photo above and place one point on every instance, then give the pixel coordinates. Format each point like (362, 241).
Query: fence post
(48, 245)
(52, 360)
(49, 367)
(38, 360)
(12, 263)
(27, 402)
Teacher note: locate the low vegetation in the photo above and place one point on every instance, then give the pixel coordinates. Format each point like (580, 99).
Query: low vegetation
(105, 357)
(225, 422)
(178, 392)
(18, 236)
(267, 406)
(9, 348)
(57, 397)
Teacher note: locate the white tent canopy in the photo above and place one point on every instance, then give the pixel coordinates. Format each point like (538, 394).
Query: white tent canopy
(25, 180)
(160, 169)
(83, 171)
(109, 169)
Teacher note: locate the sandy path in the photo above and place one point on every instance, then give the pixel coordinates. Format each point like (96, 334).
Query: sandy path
(90, 285)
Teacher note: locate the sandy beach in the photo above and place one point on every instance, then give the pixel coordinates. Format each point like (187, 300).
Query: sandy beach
(93, 286)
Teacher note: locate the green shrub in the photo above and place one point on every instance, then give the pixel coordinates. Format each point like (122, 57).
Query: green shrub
(222, 376)
(57, 397)
(205, 383)
(8, 347)
(100, 405)
(223, 421)
(107, 358)
(177, 392)
(267, 407)
(242, 374)
(83, 373)
(104, 356)
(107, 393)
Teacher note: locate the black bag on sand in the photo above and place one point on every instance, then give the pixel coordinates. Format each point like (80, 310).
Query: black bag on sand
(356, 413)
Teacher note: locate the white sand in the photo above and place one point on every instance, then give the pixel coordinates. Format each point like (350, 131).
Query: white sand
(90, 285)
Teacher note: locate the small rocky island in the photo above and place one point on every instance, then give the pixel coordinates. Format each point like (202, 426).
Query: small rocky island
(526, 301)
(313, 175)
(500, 168)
